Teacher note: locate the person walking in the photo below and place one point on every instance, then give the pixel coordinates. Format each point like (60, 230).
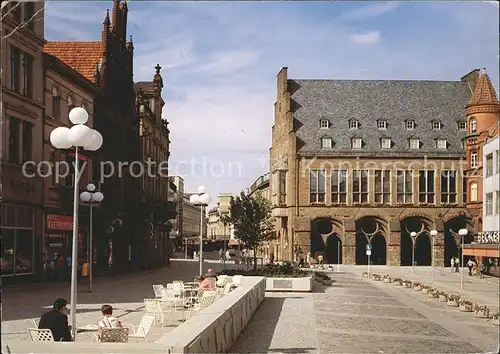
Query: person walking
(457, 265)
(452, 264)
(482, 269)
(470, 264)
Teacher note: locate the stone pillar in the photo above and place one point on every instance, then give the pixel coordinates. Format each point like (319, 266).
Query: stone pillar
(302, 234)
(438, 254)
(349, 244)
(394, 243)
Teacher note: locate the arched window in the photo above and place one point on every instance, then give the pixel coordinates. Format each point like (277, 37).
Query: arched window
(473, 192)
(56, 103)
(71, 102)
(472, 125)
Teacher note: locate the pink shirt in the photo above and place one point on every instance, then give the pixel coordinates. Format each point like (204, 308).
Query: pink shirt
(206, 285)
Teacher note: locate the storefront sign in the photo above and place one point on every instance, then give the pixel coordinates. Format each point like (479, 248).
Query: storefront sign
(488, 237)
(59, 222)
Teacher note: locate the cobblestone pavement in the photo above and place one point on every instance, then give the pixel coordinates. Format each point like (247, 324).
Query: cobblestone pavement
(357, 315)
(22, 304)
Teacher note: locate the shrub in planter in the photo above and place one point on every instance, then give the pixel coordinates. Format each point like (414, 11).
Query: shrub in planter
(433, 294)
(481, 311)
(407, 284)
(387, 279)
(453, 300)
(376, 277)
(442, 296)
(466, 306)
(495, 319)
(364, 275)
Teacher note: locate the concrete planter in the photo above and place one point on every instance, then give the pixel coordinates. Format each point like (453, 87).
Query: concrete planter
(407, 285)
(397, 283)
(418, 288)
(452, 303)
(425, 291)
(465, 308)
(442, 298)
(482, 313)
(432, 295)
(292, 284)
(496, 321)
(387, 280)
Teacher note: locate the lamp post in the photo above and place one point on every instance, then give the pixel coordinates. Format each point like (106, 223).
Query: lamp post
(433, 234)
(462, 233)
(413, 235)
(91, 196)
(224, 245)
(79, 136)
(202, 199)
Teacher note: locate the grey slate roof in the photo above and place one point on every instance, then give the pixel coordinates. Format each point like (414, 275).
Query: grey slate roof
(367, 101)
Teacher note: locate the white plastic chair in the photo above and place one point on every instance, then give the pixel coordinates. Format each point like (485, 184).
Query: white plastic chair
(205, 300)
(40, 335)
(143, 329)
(154, 308)
(158, 289)
(36, 323)
(221, 280)
(114, 335)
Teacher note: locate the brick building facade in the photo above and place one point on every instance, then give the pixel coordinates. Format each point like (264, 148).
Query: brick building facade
(354, 162)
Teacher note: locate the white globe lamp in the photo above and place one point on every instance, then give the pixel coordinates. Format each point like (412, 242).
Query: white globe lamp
(85, 196)
(59, 138)
(78, 135)
(98, 197)
(205, 199)
(194, 199)
(202, 189)
(78, 115)
(434, 233)
(463, 232)
(94, 141)
(91, 187)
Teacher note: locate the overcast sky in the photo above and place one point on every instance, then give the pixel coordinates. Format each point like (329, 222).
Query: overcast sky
(220, 61)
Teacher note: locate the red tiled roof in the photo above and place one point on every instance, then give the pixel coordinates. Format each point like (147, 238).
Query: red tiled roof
(80, 56)
(484, 93)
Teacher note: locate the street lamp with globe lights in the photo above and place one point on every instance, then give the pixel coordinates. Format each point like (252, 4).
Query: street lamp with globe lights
(413, 236)
(433, 234)
(91, 196)
(79, 136)
(202, 199)
(462, 233)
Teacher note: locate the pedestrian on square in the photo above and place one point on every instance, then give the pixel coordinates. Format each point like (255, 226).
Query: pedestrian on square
(57, 321)
(457, 265)
(452, 264)
(482, 268)
(470, 264)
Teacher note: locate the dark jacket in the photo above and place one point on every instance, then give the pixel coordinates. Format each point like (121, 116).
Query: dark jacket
(57, 322)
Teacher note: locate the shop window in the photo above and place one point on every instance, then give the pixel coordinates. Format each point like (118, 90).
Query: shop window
(7, 260)
(24, 217)
(24, 251)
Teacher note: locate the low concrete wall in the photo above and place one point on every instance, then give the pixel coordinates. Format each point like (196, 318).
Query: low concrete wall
(216, 328)
(213, 330)
(289, 284)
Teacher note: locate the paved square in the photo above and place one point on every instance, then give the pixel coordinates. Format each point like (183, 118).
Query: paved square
(362, 316)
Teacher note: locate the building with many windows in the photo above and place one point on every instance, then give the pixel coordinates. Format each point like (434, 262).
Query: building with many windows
(358, 162)
(22, 109)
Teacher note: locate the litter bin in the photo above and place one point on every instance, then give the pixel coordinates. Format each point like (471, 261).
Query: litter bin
(85, 269)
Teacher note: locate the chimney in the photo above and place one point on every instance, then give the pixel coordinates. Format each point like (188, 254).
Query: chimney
(471, 79)
(105, 36)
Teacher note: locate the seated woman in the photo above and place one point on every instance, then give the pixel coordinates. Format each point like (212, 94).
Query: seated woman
(205, 284)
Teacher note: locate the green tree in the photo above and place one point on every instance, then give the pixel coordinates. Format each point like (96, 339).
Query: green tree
(252, 221)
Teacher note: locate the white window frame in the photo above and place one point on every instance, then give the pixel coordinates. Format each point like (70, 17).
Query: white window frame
(448, 195)
(382, 125)
(436, 125)
(410, 125)
(353, 124)
(360, 193)
(488, 204)
(489, 165)
(442, 144)
(405, 193)
(473, 192)
(324, 124)
(317, 194)
(382, 197)
(413, 140)
(385, 143)
(473, 160)
(472, 125)
(353, 143)
(336, 196)
(426, 191)
(497, 210)
(326, 143)
(462, 125)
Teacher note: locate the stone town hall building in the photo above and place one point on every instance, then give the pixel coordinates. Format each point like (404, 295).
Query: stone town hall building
(358, 161)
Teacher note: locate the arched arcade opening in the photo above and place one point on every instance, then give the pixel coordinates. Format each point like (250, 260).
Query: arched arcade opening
(371, 230)
(423, 245)
(452, 239)
(326, 240)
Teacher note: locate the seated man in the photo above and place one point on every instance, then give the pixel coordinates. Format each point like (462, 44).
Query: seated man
(57, 321)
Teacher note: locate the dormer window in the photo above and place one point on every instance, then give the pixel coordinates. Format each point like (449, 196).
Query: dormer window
(436, 125)
(461, 125)
(441, 143)
(472, 125)
(410, 124)
(414, 143)
(324, 124)
(356, 143)
(382, 125)
(353, 124)
(385, 143)
(326, 143)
